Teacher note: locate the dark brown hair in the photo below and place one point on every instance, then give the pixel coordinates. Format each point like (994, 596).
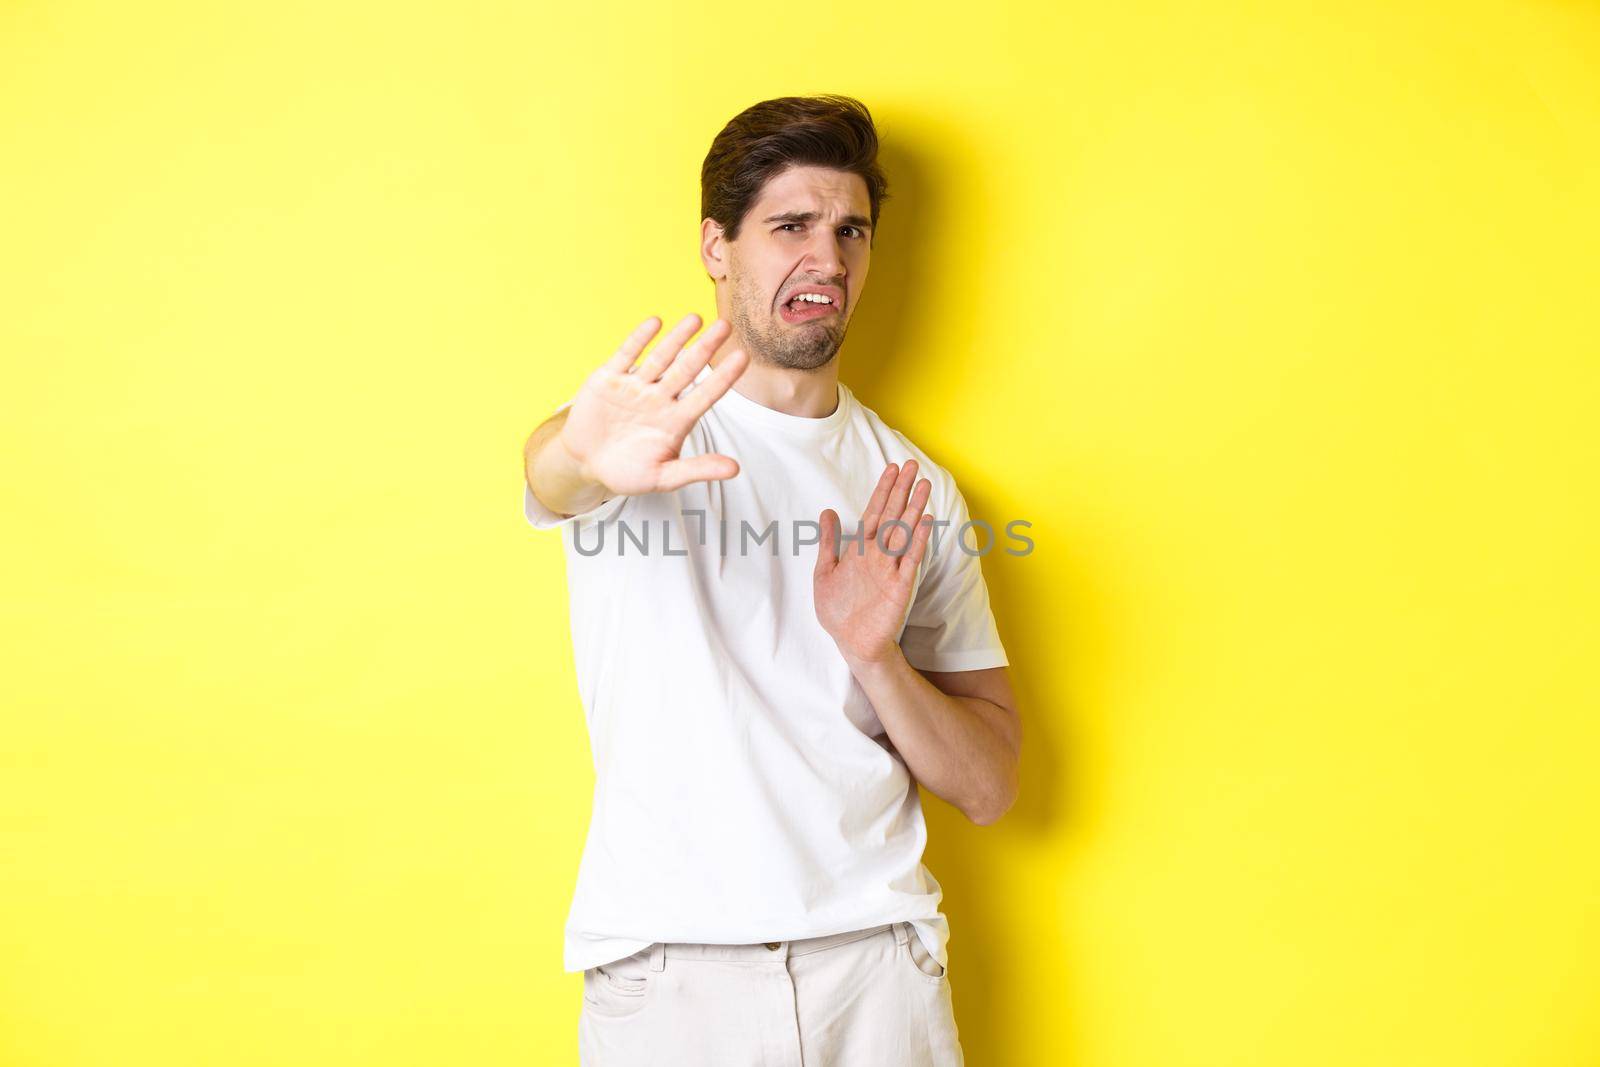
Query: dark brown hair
(823, 131)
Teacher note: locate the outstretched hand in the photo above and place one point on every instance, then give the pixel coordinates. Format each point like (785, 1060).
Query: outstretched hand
(626, 427)
(861, 593)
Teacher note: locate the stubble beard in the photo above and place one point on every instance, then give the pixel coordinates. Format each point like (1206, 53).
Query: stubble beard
(770, 340)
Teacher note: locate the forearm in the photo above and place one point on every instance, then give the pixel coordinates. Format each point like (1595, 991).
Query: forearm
(962, 748)
(553, 475)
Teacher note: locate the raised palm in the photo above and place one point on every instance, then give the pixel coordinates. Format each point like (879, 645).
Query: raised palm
(626, 427)
(861, 593)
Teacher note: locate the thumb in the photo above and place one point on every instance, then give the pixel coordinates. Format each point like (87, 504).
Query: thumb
(711, 467)
(828, 550)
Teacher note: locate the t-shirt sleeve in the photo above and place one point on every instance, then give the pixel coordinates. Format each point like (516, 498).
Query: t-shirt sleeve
(950, 626)
(542, 518)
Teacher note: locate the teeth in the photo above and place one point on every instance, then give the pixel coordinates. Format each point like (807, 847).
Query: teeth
(813, 298)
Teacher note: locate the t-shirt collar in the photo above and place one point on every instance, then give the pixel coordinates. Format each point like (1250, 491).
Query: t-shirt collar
(735, 404)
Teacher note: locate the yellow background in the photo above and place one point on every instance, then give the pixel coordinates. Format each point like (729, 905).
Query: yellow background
(1276, 321)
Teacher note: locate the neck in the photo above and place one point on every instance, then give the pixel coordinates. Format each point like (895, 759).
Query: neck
(809, 394)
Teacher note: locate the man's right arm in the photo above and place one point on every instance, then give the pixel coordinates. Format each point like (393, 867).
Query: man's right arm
(623, 434)
(554, 475)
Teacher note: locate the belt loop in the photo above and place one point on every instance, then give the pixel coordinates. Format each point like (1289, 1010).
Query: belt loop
(900, 936)
(658, 956)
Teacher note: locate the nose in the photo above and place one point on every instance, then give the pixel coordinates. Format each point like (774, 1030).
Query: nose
(825, 255)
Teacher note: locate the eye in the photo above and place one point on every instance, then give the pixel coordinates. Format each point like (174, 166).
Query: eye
(853, 229)
(786, 225)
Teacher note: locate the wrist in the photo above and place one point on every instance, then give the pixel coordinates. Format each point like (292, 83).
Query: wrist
(558, 479)
(572, 464)
(866, 665)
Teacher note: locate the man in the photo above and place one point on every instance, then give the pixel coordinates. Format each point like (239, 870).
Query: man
(765, 682)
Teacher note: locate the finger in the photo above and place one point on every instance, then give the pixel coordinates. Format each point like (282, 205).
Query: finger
(895, 506)
(874, 509)
(918, 501)
(697, 401)
(919, 544)
(898, 540)
(894, 535)
(667, 348)
(697, 355)
(828, 550)
(895, 503)
(710, 467)
(623, 357)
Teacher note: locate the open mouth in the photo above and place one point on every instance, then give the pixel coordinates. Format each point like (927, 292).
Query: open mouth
(805, 307)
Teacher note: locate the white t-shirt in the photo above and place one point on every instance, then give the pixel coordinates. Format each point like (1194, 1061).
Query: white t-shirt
(745, 790)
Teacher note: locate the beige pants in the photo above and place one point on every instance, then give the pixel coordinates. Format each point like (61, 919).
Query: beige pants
(869, 998)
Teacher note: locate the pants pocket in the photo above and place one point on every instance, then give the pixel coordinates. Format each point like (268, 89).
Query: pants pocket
(927, 968)
(619, 988)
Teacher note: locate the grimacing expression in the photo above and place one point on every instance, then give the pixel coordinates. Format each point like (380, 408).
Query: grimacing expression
(808, 232)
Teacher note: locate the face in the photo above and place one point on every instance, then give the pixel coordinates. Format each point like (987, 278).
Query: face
(808, 232)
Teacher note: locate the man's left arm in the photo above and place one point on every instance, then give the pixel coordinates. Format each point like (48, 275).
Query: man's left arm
(958, 731)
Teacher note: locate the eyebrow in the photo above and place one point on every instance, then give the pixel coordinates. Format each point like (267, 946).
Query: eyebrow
(813, 216)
